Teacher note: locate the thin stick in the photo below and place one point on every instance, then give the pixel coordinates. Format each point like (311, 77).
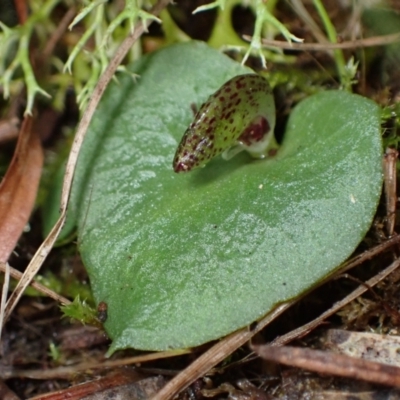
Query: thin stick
(98, 91)
(6, 284)
(56, 36)
(214, 355)
(73, 370)
(367, 255)
(352, 44)
(303, 330)
(327, 362)
(390, 180)
(36, 285)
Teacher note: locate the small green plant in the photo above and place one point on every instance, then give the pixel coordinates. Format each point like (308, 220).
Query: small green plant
(54, 352)
(80, 311)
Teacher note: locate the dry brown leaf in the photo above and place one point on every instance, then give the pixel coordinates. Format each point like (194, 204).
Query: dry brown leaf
(19, 187)
(9, 129)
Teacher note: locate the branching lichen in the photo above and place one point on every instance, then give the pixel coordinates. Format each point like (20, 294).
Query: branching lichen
(106, 37)
(264, 18)
(132, 13)
(19, 37)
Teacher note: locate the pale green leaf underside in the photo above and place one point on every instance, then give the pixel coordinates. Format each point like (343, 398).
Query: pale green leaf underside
(181, 259)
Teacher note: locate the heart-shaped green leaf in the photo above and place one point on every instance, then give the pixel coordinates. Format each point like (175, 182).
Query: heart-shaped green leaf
(181, 259)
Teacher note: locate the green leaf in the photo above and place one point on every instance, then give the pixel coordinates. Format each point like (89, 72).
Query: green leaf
(181, 259)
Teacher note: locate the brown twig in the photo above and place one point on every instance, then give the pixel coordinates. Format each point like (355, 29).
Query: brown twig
(303, 330)
(367, 255)
(215, 355)
(57, 34)
(389, 169)
(36, 285)
(72, 370)
(21, 8)
(326, 362)
(120, 384)
(369, 42)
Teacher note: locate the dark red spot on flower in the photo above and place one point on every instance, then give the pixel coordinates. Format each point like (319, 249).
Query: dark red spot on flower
(255, 131)
(181, 167)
